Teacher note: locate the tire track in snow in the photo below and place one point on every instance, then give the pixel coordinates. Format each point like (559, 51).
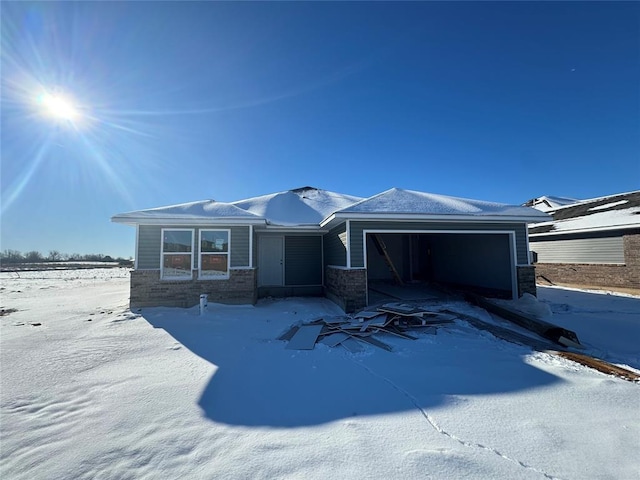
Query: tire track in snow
(442, 431)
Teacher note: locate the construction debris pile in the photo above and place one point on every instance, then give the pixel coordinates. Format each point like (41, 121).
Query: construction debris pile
(352, 332)
(365, 327)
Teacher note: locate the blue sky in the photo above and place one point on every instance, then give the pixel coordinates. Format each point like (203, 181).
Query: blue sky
(188, 101)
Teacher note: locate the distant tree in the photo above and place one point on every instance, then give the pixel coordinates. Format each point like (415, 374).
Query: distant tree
(11, 256)
(33, 257)
(14, 256)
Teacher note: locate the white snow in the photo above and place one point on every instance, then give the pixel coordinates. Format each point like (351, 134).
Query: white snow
(613, 219)
(166, 393)
(399, 201)
(308, 207)
(608, 323)
(606, 206)
(297, 207)
(203, 210)
(528, 304)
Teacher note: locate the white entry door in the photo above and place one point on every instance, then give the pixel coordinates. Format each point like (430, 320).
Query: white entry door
(270, 261)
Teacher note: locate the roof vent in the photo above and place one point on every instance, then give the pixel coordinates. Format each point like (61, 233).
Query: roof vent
(302, 189)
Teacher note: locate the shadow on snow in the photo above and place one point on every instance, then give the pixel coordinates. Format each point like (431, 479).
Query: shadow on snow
(258, 382)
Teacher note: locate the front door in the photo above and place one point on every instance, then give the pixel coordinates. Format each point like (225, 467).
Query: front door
(270, 261)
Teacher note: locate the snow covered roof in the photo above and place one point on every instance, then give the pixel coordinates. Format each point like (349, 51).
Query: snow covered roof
(397, 201)
(302, 206)
(613, 212)
(548, 202)
(205, 211)
(313, 207)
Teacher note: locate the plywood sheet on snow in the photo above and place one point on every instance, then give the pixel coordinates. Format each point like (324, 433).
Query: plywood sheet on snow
(352, 345)
(305, 338)
(335, 339)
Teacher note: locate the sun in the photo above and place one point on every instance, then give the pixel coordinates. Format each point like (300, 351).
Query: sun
(58, 107)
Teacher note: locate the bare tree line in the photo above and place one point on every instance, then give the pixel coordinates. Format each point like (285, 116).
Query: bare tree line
(14, 256)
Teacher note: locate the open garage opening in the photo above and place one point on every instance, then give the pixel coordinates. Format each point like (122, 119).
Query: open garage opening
(480, 262)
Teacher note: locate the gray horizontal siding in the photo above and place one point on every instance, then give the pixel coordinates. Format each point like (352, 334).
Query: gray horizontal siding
(150, 244)
(584, 250)
(357, 250)
(303, 260)
(335, 250)
(239, 246)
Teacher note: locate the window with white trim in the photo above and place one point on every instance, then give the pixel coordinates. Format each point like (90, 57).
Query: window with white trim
(177, 254)
(214, 254)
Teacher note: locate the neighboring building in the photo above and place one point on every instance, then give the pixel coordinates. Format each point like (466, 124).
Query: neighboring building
(314, 242)
(592, 242)
(547, 202)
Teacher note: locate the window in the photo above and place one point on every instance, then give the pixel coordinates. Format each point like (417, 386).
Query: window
(177, 254)
(214, 254)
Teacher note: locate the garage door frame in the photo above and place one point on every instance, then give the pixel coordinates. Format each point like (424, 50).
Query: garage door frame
(510, 233)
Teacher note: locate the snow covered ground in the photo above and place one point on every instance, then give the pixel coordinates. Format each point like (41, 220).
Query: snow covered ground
(99, 392)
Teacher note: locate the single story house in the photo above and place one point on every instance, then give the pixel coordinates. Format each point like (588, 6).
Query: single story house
(593, 242)
(309, 241)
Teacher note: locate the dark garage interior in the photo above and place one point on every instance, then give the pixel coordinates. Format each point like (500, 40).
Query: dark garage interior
(477, 261)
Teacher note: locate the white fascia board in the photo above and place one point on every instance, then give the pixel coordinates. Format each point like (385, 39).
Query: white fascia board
(328, 220)
(185, 221)
(290, 229)
(585, 230)
(399, 217)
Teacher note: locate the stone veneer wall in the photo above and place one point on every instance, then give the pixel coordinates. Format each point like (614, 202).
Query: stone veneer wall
(148, 290)
(527, 280)
(598, 275)
(346, 287)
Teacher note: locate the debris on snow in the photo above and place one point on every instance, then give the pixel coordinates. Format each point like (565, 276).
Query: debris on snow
(394, 319)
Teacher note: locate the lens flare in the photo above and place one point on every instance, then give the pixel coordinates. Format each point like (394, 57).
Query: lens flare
(58, 107)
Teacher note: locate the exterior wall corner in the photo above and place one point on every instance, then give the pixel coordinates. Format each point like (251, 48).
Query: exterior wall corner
(346, 287)
(527, 280)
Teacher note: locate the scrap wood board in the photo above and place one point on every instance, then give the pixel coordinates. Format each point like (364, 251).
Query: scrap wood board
(600, 365)
(305, 338)
(333, 320)
(395, 331)
(289, 333)
(335, 339)
(352, 345)
(375, 322)
(367, 314)
(540, 327)
(544, 345)
(539, 343)
(375, 342)
(405, 310)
